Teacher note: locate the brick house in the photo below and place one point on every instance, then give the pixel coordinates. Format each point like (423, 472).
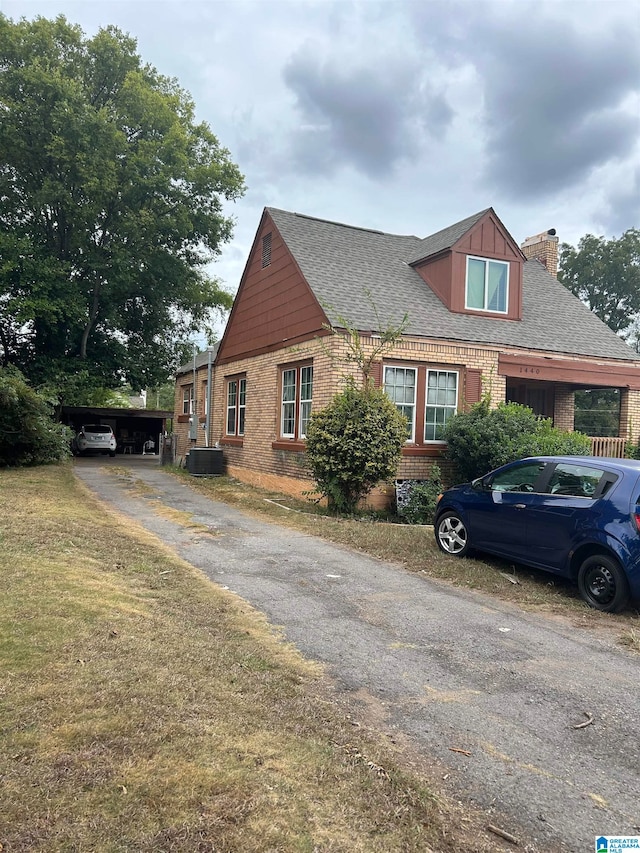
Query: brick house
(486, 316)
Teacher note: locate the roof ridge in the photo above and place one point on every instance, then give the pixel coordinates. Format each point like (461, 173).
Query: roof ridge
(453, 225)
(340, 224)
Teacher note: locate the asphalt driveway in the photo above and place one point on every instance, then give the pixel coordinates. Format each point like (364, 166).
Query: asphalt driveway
(449, 669)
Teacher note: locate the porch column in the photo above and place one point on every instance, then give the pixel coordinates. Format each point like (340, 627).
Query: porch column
(629, 415)
(564, 408)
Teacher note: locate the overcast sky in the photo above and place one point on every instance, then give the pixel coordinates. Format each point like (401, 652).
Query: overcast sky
(405, 116)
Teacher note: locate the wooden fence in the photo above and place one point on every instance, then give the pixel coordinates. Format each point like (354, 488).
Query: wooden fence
(611, 447)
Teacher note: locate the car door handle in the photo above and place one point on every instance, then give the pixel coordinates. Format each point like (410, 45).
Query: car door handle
(520, 506)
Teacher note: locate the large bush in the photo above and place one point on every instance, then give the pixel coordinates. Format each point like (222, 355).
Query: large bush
(484, 438)
(354, 443)
(29, 435)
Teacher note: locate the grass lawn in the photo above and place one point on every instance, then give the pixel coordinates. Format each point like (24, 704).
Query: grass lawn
(144, 709)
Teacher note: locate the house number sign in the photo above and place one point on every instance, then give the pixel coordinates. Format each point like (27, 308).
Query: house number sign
(530, 370)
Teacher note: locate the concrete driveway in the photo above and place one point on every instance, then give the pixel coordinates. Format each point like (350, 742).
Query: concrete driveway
(449, 669)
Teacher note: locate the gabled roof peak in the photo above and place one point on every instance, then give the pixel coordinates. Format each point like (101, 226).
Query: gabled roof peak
(446, 237)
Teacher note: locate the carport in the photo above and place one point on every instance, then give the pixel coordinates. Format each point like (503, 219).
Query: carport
(132, 427)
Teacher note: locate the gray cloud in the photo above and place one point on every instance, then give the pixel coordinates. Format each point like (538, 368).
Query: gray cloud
(555, 103)
(371, 116)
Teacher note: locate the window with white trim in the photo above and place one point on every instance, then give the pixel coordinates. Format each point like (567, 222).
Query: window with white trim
(400, 387)
(236, 406)
(296, 400)
(187, 400)
(487, 285)
(441, 402)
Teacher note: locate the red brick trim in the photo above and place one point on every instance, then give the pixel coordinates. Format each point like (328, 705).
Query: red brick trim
(289, 444)
(231, 441)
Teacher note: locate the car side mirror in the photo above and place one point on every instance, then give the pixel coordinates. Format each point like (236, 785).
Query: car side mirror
(478, 484)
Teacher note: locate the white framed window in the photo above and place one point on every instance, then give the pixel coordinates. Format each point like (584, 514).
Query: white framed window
(306, 394)
(400, 386)
(441, 402)
(487, 285)
(296, 399)
(236, 405)
(187, 400)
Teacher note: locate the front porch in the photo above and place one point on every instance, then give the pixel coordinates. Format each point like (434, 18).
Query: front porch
(574, 408)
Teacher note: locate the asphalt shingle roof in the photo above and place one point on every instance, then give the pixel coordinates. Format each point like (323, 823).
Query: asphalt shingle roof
(354, 271)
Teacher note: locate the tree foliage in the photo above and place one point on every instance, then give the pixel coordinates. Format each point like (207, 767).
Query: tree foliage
(29, 433)
(111, 206)
(354, 443)
(483, 438)
(605, 274)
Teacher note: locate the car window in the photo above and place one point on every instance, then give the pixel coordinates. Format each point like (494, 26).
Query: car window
(96, 428)
(519, 478)
(579, 481)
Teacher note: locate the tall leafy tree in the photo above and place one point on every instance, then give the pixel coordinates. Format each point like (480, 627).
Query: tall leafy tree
(111, 208)
(605, 274)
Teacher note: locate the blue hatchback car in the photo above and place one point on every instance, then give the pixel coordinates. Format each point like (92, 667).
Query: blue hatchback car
(577, 516)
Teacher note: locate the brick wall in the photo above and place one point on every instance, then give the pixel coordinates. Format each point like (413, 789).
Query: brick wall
(564, 407)
(256, 461)
(630, 415)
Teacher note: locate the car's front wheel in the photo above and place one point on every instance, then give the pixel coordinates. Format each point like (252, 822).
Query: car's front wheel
(603, 584)
(451, 534)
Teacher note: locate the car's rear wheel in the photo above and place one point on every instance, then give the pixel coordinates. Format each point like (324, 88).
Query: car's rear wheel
(451, 534)
(112, 453)
(603, 584)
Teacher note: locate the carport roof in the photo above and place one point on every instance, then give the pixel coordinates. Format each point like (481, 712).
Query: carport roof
(97, 412)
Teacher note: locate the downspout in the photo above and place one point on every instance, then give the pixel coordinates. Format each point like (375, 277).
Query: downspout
(193, 431)
(208, 422)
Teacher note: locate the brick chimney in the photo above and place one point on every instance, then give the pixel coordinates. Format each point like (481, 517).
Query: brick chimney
(544, 247)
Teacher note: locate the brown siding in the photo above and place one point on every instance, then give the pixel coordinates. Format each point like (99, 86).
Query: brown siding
(437, 274)
(274, 305)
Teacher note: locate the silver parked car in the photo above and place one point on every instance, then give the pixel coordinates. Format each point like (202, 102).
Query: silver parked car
(95, 437)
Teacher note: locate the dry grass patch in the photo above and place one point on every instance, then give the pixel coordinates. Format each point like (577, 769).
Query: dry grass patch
(144, 709)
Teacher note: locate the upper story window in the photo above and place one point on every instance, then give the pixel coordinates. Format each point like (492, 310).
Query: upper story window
(236, 406)
(187, 400)
(296, 399)
(487, 285)
(266, 250)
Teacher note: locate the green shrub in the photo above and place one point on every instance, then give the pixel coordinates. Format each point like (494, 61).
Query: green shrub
(420, 507)
(354, 443)
(29, 435)
(484, 438)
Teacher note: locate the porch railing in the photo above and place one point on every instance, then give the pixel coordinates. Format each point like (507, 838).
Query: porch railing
(608, 447)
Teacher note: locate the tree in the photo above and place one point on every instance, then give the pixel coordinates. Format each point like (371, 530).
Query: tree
(354, 443)
(605, 274)
(483, 438)
(111, 207)
(29, 433)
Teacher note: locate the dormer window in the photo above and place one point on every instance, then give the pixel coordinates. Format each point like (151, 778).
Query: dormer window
(487, 285)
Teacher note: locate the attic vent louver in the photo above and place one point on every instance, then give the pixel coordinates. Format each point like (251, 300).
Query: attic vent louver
(266, 250)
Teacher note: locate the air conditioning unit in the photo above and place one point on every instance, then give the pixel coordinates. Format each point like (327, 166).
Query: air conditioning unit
(205, 461)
